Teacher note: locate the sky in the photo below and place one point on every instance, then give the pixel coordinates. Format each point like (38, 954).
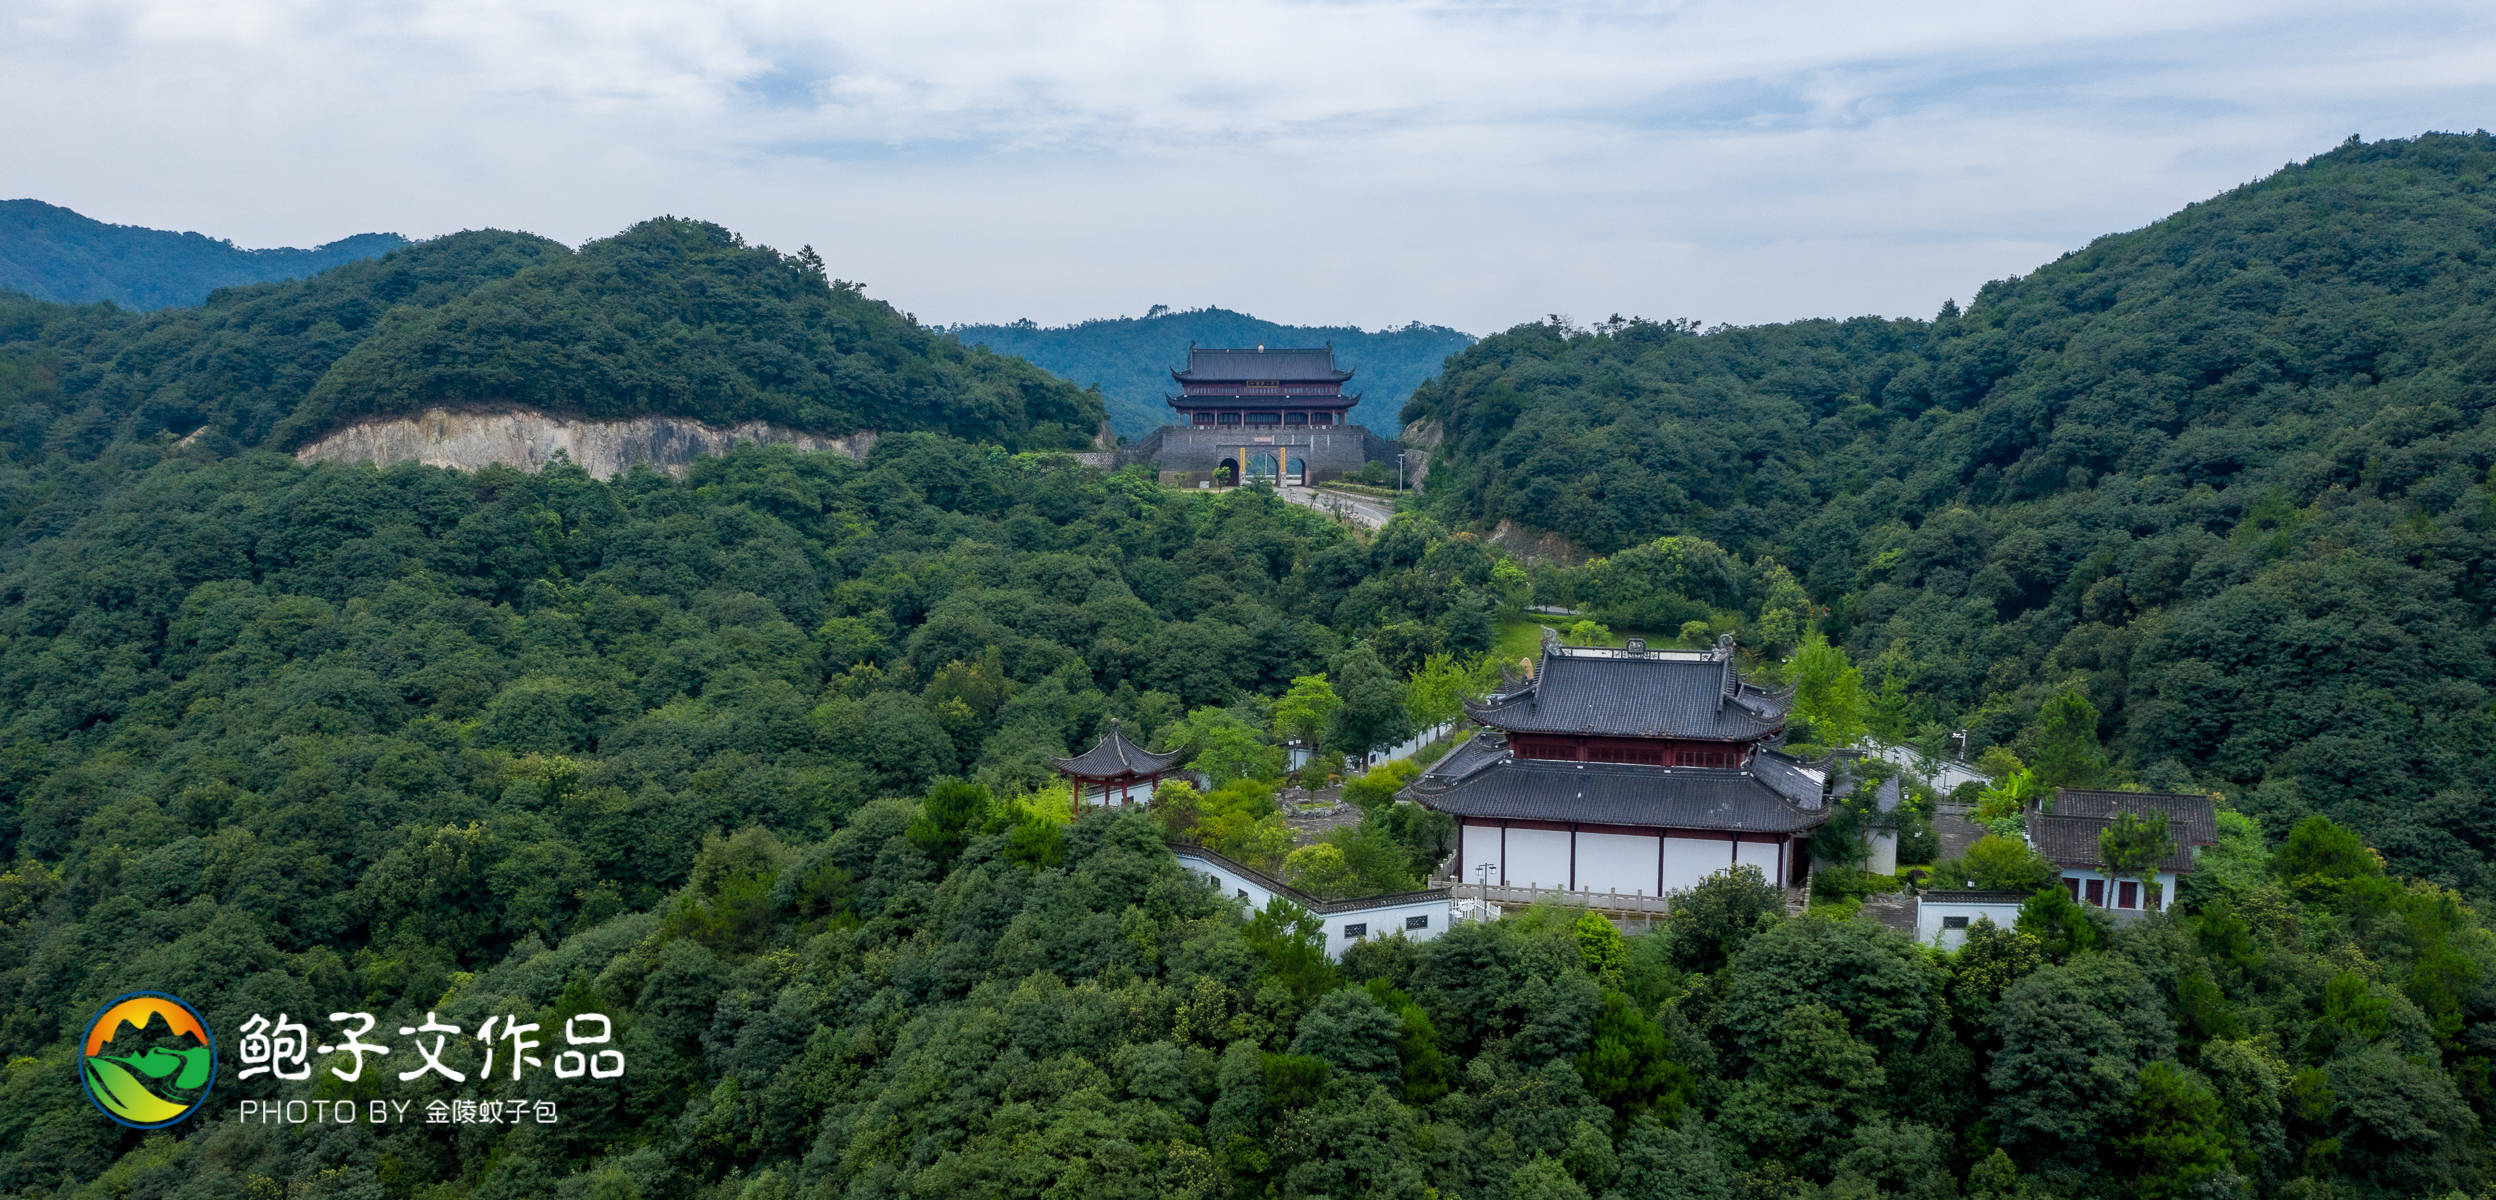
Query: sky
(1338, 161)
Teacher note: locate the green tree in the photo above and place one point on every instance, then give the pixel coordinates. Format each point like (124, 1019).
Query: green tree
(1628, 1063)
(953, 811)
(1373, 702)
(2062, 745)
(1225, 748)
(1828, 693)
(1599, 947)
(2074, 1039)
(2008, 796)
(1784, 610)
(1354, 1034)
(2178, 1146)
(2062, 926)
(1306, 713)
(2134, 847)
(1436, 693)
(1711, 922)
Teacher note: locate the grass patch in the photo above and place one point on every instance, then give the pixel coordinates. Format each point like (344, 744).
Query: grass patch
(1519, 637)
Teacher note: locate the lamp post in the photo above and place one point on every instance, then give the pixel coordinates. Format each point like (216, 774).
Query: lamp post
(1399, 472)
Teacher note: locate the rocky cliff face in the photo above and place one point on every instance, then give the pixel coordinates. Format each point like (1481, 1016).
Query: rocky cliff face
(529, 440)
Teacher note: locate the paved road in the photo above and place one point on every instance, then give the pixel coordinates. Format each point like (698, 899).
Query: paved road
(1368, 513)
(1951, 772)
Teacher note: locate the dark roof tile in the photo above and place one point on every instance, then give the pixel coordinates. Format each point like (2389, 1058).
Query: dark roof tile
(2067, 836)
(1665, 695)
(1114, 756)
(1531, 789)
(1279, 363)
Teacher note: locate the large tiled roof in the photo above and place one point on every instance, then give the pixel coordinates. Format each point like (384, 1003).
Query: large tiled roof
(1219, 366)
(1481, 780)
(1115, 756)
(1659, 695)
(2067, 835)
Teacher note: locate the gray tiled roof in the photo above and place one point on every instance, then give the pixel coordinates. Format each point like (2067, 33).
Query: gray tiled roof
(2067, 836)
(1114, 756)
(1278, 363)
(1625, 696)
(1614, 794)
(2192, 819)
(1790, 778)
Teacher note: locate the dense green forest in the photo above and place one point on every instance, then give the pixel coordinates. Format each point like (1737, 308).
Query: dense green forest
(2227, 476)
(670, 317)
(51, 253)
(754, 763)
(1130, 358)
(691, 754)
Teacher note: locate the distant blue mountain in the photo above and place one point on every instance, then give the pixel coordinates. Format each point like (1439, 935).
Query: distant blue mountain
(1131, 357)
(52, 253)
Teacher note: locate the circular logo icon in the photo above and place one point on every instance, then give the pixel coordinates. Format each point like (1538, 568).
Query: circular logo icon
(148, 1060)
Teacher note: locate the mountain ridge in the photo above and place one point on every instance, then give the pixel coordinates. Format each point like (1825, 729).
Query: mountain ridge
(1129, 358)
(2227, 476)
(55, 253)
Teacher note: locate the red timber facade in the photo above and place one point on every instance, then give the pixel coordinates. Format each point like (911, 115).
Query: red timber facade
(1261, 389)
(1634, 771)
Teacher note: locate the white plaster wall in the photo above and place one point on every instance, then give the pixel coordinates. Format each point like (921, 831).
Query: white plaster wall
(1229, 883)
(2114, 886)
(1689, 860)
(1620, 862)
(1929, 912)
(1384, 921)
(1538, 858)
(1762, 855)
(1881, 854)
(1481, 846)
(1387, 921)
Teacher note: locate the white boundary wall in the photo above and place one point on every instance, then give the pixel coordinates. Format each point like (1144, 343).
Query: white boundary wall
(1382, 920)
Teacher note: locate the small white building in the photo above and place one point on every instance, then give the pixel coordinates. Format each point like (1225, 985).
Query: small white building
(2066, 835)
(1417, 915)
(1943, 917)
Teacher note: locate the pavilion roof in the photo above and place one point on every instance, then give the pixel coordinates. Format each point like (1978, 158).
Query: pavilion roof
(1281, 364)
(1620, 693)
(1115, 756)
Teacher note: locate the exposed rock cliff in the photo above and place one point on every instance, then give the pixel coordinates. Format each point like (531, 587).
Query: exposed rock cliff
(528, 440)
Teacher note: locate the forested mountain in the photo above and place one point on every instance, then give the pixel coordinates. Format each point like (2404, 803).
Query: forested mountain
(671, 317)
(1130, 358)
(752, 763)
(2227, 476)
(466, 749)
(51, 253)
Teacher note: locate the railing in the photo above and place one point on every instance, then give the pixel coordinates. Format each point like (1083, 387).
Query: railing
(1604, 901)
(1616, 902)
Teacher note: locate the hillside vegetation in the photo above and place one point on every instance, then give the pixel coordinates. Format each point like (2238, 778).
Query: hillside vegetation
(2227, 477)
(51, 253)
(754, 763)
(1130, 358)
(670, 317)
(743, 762)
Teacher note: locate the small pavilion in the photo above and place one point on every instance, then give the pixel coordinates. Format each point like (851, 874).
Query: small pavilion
(1116, 771)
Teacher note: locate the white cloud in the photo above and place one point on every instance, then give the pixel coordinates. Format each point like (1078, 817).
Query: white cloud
(1476, 164)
